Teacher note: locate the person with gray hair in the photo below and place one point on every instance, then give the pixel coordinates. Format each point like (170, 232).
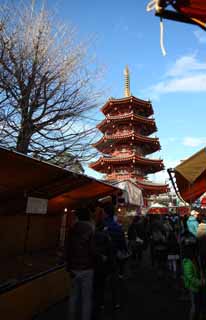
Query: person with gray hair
(192, 223)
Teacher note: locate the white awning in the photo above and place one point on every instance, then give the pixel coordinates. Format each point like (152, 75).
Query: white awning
(132, 194)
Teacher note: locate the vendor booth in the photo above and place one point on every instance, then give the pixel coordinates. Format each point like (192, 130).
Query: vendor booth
(157, 208)
(34, 195)
(131, 194)
(29, 187)
(183, 209)
(36, 203)
(190, 176)
(129, 203)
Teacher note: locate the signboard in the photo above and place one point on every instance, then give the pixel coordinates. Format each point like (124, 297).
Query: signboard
(36, 205)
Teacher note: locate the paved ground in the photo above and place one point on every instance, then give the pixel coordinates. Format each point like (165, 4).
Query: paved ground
(144, 295)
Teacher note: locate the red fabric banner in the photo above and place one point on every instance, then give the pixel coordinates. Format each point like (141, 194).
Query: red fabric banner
(192, 8)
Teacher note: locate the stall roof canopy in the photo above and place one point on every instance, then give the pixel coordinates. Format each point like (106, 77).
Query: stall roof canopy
(191, 176)
(193, 167)
(188, 11)
(21, 174)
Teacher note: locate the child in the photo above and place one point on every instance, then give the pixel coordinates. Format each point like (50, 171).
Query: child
(193, 279)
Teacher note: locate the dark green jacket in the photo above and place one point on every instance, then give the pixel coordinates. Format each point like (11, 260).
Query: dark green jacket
(191, 275)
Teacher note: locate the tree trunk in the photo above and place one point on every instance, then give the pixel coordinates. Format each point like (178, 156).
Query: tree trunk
(23, 139)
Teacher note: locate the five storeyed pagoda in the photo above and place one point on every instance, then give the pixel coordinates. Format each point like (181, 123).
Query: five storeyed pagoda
(126, 142)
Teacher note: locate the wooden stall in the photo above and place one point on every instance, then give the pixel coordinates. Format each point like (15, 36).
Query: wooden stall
(30, 235)
(23, 178)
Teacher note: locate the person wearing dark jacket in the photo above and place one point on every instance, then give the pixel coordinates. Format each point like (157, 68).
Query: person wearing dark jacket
(119, 247)
(137, 238)
(80, 253)
(158, 244)
(117, 236)
(173, 251)
(103, 267)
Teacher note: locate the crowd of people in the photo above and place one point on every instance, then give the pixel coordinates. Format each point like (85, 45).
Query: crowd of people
(99, 249)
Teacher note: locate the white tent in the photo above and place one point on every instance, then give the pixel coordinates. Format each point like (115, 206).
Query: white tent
(132, 194)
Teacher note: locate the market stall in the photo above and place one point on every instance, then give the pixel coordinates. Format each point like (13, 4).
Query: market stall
(35, 198)
(157, 208)
(190, 176)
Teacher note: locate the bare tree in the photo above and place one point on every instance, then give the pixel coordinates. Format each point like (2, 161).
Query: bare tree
(46, 88)
(68, 161)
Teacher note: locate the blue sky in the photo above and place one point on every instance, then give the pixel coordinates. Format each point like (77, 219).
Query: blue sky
(124, 33)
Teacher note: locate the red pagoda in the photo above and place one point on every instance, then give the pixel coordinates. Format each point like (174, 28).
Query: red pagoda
(126, 142)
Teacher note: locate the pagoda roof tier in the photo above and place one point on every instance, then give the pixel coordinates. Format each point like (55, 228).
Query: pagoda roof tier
(151, 144)
(150, 165)
(150, 123)
(147, 149)
(151, 187)
(146, 106)
(146, 185)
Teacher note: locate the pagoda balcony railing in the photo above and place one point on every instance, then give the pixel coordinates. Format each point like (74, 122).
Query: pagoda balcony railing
(129, 115)
(124, 136)
(117, 177)
(122, 176)
(133, 156)
(128, 134)
(148, 122)
(120, 153)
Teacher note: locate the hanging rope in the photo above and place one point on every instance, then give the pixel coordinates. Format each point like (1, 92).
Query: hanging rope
(162, 38)
(154, 5)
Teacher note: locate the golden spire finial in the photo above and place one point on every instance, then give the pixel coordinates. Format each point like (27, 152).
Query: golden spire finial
(127, 92)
